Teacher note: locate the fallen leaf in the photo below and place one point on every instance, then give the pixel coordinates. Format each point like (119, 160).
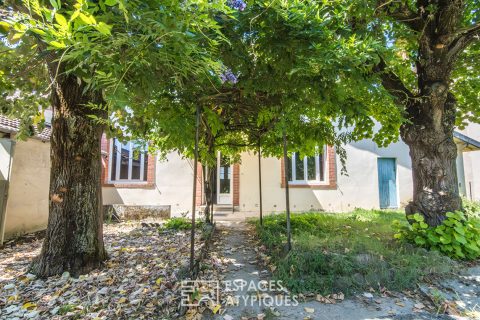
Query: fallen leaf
(309, 310)
(29, 306)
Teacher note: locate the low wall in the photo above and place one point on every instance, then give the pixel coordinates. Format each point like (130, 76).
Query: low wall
(136, 212)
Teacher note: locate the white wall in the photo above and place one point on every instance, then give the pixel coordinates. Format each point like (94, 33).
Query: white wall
(471, 161)
(173, 186)
(358, 189)
(27, 204)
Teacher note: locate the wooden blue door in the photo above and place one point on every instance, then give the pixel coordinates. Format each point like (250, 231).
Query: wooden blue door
(387, 182)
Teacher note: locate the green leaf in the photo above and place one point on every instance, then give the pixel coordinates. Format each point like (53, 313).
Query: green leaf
(460, 238)
(433, 238)
(57, 44)
(56, 4)
(460, 230)
(38, 31)
(419, 240)
(74, 15)
(111, 2)
(15, 37)
(4, 27)
(61, 20)
(418, 217)
(103, 28)
(445, 239)
(87, 19)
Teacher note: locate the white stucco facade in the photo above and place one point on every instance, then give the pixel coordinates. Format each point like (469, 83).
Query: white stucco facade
(471, 165)
(359, 188)
(173, 187)
(27, 203)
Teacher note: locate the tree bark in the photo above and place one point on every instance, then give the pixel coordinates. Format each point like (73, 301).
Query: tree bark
(74, 239)
(433, 153)
(430, 108)
(207, 186)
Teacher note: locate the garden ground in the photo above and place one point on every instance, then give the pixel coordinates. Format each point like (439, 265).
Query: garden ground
(381, 278)
(140, 280)
(371, 277)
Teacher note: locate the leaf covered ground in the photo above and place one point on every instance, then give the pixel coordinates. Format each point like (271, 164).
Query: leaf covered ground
(139, 281)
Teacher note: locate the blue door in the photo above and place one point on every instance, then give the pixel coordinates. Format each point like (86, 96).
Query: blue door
(387, 182)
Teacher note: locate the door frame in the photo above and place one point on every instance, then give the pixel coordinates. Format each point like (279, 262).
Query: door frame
(397, 189)
(219, 158)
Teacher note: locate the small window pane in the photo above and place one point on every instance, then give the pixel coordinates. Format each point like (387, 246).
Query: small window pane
(113, 173)
(225, 175)
(125, 157)
(321, 162)
(299, 167)
(311, 172)
(136, 164)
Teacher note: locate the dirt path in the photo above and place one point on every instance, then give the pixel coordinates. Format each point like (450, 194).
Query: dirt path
(235, 247)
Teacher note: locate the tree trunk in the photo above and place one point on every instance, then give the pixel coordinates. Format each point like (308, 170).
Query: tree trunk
(74, 239)
(208, 187)
(430, 108)
(433, 153)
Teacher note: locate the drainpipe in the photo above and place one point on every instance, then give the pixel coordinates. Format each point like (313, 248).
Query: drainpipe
(3, 211)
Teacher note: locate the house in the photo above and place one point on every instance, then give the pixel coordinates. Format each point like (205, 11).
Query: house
(132, 179)
(377, 178)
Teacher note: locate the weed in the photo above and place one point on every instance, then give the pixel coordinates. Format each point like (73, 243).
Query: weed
(180, 223)
(347, 252)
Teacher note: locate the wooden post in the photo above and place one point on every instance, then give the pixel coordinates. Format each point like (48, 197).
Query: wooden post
(260, 179)
(287, 195)
(192, 234)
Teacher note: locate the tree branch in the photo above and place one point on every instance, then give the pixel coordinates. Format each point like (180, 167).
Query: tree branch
(393, 84)
(400, 11)
(464, 38)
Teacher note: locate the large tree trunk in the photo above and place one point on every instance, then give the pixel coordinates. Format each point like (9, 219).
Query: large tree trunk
(74, 239)
(431, 107)
(433, 153)
(429, 132)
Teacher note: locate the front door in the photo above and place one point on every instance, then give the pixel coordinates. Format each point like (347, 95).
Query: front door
(224, 181)
(387, 183)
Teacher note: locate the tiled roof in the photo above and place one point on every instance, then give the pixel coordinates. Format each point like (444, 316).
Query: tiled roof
(13, 125)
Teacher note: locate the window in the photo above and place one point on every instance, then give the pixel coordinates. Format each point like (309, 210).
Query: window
(225, 175)
(129, 162)
(303, 169)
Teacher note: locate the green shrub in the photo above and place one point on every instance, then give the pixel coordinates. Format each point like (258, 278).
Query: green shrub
(178, 223)
(471, 208)
(457, 237)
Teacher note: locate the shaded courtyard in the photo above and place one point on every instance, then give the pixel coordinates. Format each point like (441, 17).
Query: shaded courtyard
(140, 280)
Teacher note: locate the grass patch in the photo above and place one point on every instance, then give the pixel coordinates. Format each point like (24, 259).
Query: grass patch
(180, 223)
(347, 252)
